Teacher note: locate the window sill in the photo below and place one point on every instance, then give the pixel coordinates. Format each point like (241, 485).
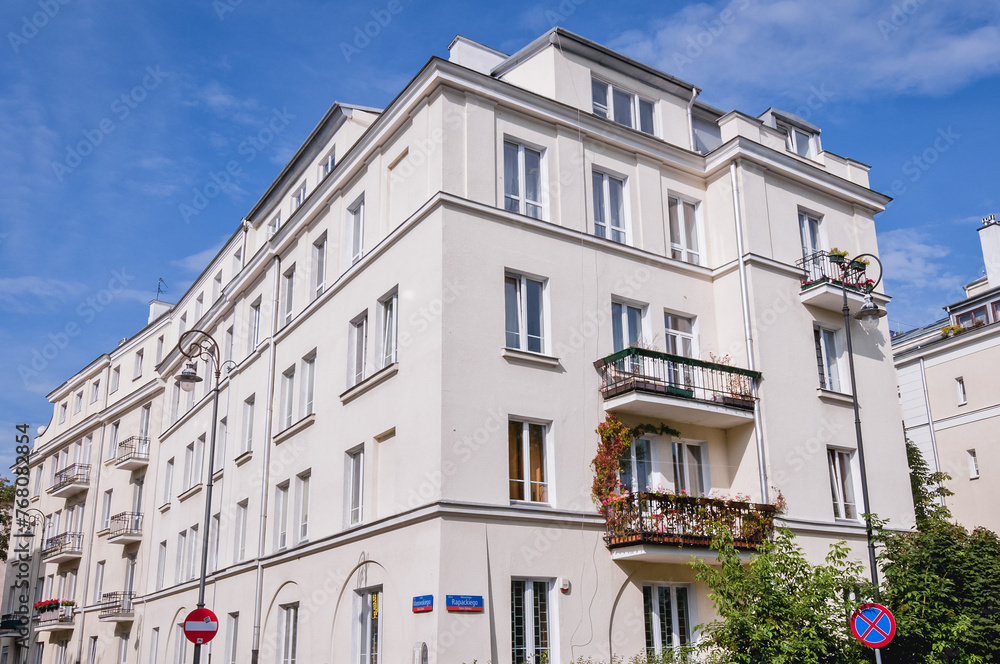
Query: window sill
(834, 397)
(293, 429)
(368, 383)
(187, 493)
(103, 531)
(526, 357)
(243, 458)
(217, 474)
(164, 507)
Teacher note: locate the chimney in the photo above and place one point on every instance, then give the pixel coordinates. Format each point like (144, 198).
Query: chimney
(989, 237)
(473, 55)
(156, 309)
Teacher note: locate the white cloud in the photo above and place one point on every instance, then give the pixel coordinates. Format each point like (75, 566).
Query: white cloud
(197, 262)
(31, 294)
(756, 49)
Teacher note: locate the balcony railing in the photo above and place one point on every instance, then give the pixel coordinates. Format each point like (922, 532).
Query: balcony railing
(126, 523)
(638, 369)
(65, 544)
(78, 473)
(820, 268)
(56, 618)
(12, 621)
(116, 604)
(655, 518)
(134, 449)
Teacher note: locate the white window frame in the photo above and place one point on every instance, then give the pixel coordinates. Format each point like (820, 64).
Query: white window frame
(605, 229)
(683, 475)
(92, 652)
(527, 483)
(161, 565)
(255, 320)
(676, 638)
(95, 391)
(180, 645)
(960, 391)
(62, 412)
(358, 349)
(199, 306)
(240, 534)
(214, 536)
(793, 139)
(168, 481)
(634, 471)
(354, 486)
(328, 164)
(517, 201)
(828, 358)
(308, 385)
(288, 633)
(246, 440)
(606, 109)
(368, 625)
(123, 649)
(180, 568)
(302, 498)
(217, 286)
(288, 293)
(389, 322)
(287, 413)
(99, 581)
(356, 230)
(298, 197)
(78, 402)
(622, 317)
(842, 508)
(232, 637)
(137, 369)
(116, 374)
(274, 226)
(527, 598)
(520, 282)
(811, 234)
(681, 246)
(973, 461)
(154, 644)
(281, 512)
(319, 265)
(106, 509)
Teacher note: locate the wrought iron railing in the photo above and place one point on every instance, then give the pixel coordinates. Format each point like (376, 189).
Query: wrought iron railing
(823, 267)
(116, 604)
(638, 369)
(77, 473)
(64, 543)
(64, 614)
(10, 621)
(126, 523)
(135, 447)
(656, 518)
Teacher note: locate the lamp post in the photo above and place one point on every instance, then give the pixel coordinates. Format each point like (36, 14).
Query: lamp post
(194, 345)
(868, 316)
(39, 523)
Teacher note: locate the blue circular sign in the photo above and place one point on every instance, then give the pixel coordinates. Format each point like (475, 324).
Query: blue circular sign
(873, 625)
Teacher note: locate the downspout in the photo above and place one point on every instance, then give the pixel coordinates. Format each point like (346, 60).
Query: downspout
(930, 421)
(93, 518)
(694, 95)
(245, 225)
(758, 425)
(265, 475)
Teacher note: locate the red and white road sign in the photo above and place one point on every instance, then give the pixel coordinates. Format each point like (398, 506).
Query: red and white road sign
(201, 626)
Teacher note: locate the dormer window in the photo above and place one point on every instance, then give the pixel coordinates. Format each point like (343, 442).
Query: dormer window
(973, 318)
(622, 106)
(797, 140)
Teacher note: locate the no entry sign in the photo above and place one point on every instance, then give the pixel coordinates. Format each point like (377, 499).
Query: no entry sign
(201, 626)
(873, 625)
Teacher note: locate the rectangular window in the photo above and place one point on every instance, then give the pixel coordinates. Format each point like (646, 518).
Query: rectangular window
(684, 245)
(123, 649)
(973, 318)
(526, 461)
(319, 265)
(154, 643)
(369, 626)
(287, 398)
(680, 340)
(92, 652)
(668, 621)
(274, 226)
(308, 384)
(98, 582)
(326, 166)
(229, 341)
(180, 645)
(626, 108)
(95, 391)
(182, 324)
(61, 651)
(78, 402)
(358, 343)
(302, 505)
(626, 326)
(529, 622)
(796, 140)
(299, 197)
(522, 181)
(247, 439)
(180, 568)
(288, 292)
(973, 464)
(356, 224)
(842, 484)
(213, 541)
(193, 558)
(237, 262)
(809, 234)
(690, 465)
(161, 565)
(828, 358)
(240, 538)
(232, 637)
(524, 313)
(137, 370)
(217, 286)
(115, 377)
(199, 306)
(960, 391)
(62, 413)
(106, 510)
(636, 466)
(281, 512)
(254, 325)
(388, 316)
(222, 434)
(609, 207)
(288, 636)
(168, 481)
(354, 485)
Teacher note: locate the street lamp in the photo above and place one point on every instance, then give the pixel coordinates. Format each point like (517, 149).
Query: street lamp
(36, 522)
(868, 316)
(201, 345)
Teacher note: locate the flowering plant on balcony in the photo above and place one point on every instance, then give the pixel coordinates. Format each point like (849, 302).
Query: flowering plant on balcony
(836, 255)
(68, 602)
(46, 605)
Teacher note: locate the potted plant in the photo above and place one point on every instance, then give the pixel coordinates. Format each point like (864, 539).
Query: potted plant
(859, 263)
(68, 602)
(951, 330)
(836, 255)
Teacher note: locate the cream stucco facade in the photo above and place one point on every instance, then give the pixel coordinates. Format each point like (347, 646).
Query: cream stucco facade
(413, 405)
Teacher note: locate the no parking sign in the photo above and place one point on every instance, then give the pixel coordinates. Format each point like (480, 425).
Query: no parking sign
(873, 625)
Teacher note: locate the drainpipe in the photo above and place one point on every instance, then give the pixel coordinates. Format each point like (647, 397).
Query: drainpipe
(85, 567)
(758, 425)
(930, 422)
(694, 95)
(265, 475)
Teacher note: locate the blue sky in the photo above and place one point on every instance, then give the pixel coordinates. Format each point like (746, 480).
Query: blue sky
(114, 115)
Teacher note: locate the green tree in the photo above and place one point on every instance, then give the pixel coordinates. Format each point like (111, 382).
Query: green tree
(927, 487)
(6, 515)
(778, 607)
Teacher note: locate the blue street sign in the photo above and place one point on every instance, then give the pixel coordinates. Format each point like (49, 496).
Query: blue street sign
(473, 603)
(423, 603)
(873, 625)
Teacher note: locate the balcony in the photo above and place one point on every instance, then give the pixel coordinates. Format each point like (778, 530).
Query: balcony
(823, 279)
(656, 527)
(11, 623)
(650, 384)
(59, 549)
(116, 607)
(55, 620)
(125, 528)
(132, 453)
(70, 481)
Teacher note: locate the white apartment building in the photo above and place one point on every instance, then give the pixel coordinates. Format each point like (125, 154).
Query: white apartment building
(428, 313)
(949, 393)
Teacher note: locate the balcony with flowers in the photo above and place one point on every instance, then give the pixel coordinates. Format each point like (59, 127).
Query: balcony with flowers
(52, 615)
(826, 275)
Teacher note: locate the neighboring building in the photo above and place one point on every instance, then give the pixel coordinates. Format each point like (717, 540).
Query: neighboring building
(430, 311)
(950, 395)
